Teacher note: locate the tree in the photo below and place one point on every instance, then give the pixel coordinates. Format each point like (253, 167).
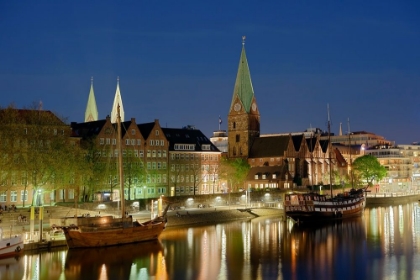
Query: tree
(234, 171)
(369, 169)
(35, 148)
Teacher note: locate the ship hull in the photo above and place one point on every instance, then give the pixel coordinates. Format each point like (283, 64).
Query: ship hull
(79, 237)
(310, 208)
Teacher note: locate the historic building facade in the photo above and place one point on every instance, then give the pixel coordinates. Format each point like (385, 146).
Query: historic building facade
(277, 161)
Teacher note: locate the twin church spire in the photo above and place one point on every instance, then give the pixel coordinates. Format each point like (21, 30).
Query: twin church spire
(91, 113)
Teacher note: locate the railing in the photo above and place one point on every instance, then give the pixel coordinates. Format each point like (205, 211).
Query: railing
(393, 194)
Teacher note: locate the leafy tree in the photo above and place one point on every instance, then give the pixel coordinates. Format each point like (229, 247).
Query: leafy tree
(34, 148)
(369, 169)
(234, 171)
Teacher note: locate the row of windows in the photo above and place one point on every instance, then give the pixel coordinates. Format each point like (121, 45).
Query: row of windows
(192, 156)
(135, 153)
(13, 196)
(157, 142)
(156, 165)
(182, 178)
(184, 156)
(155, 153)
(183, 167)
(186, 190)
(190, 147)
(156, 178)
(128, 142)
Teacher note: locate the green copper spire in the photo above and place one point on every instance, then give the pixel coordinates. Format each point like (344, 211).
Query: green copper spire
(91, 113)
(243, 85)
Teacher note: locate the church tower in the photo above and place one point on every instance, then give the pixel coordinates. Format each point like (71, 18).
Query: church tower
(117, 101)
(91, 113)
(243, 117)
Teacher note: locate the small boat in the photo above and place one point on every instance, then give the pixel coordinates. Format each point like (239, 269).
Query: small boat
(314, 207)
(109, 231)
(10, 246)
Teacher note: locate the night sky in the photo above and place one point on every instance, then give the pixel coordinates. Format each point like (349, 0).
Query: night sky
(177, 61)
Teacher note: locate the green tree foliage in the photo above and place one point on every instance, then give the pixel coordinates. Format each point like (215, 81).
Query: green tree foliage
(35, 151)
(368, 169)
(234, 171)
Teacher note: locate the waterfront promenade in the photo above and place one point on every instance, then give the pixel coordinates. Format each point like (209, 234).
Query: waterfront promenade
(12, 224)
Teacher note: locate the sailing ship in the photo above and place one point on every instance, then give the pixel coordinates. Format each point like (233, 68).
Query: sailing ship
(316, 207)
(109, 231)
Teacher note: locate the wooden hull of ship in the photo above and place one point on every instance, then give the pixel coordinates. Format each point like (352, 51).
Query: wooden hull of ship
(324, 216)
(88, 238)
(310, 208)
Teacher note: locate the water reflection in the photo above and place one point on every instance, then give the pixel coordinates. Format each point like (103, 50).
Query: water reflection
(333, 251)
(134, 261)
(383, 244)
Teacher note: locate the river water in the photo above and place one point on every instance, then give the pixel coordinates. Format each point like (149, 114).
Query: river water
(383, 244)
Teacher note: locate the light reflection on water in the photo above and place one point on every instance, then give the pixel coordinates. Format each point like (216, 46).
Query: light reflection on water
(384, 244)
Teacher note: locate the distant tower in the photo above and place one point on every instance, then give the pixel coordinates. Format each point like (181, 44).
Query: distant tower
(117, 101)
(244, 116)
(91, 113)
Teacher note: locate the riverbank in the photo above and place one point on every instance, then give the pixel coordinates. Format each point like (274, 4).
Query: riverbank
(187, 218)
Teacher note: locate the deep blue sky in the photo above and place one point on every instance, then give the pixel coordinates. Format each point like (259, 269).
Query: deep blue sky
(177, 61)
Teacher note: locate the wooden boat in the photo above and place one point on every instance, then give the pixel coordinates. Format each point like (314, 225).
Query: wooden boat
(10, 246)
(314, 207)
(108, 231)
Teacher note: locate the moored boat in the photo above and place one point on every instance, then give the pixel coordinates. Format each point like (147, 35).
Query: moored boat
(94, 233)
(109, 231)
(10, 246)
(314, 207)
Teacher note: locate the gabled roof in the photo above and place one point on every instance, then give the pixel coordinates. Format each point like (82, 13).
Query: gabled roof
(243, 85)
(146, 128)
(311, 143)
(272, 146)
(340, 159)
(87, 129)
(188, 136)
(31, 117)
(297, 141)
(324, 145)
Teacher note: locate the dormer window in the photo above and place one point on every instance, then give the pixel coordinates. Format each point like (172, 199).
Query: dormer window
(264, 176)
(274, 176)
(256, 176)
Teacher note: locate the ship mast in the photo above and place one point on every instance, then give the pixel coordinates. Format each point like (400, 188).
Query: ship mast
(351, 164)
(329, 147)
(120, 163)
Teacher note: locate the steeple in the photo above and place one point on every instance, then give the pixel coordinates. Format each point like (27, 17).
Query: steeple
(117, 101)
(91, 113)
(243, 85)
(244, 116)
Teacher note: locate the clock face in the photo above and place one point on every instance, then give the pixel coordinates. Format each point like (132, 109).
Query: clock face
(237, 107)
(254, 106)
